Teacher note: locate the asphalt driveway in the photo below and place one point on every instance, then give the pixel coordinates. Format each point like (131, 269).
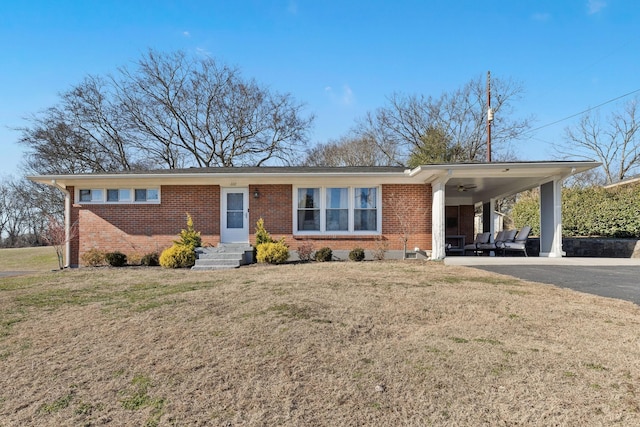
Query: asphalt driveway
(620, 281)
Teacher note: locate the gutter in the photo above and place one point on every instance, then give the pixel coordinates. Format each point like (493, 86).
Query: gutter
(67, 222)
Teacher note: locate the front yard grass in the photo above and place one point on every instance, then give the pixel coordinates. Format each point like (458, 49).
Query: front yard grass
(373, 343)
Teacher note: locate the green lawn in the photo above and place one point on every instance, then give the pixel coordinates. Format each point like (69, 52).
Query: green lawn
(28, 259)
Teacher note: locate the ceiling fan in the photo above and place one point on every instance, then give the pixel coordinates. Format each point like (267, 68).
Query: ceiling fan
(467, 187)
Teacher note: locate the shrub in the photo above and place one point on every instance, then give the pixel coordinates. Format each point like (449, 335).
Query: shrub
(190, 237)
(273, 252)
(116, 259)
(262, 235)
(178, 256)
(93, 257)
(356, 254)
(324, 254)
(134, 258)
(381, 249)
(151, 260)
(305, 251)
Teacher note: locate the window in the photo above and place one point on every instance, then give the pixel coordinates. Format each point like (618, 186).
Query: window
(93, 195)
(366, 209)
(146, 194)
(308, 209)
(235, 210)
(118, 195)
(336, 210)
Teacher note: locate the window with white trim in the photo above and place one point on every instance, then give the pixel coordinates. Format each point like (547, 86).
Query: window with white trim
(366, 209)
(91, 195)
(146, 194)
(337, 210)
(308, 209)
(118, 195)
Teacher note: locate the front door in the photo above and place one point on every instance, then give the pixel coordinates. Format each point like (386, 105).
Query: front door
(234, 221)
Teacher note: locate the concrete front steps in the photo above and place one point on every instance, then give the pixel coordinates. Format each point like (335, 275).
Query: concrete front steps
(225, 255)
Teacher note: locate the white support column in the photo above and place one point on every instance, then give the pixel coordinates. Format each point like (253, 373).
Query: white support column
(492, 221)
(438, 231)
(551, 219)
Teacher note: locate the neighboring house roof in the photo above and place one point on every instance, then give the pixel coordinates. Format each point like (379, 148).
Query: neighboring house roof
(632, 180)
(489, 180)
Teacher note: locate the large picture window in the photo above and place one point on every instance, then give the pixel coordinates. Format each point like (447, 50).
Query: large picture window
(336, 210)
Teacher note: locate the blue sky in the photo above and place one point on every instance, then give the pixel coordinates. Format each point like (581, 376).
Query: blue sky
(342, 58)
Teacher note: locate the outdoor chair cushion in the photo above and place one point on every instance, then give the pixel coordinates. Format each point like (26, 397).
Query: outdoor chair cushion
(491, 246)
(481, 238)
(519, 243)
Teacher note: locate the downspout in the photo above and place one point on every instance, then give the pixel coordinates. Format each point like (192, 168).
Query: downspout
(67, 222)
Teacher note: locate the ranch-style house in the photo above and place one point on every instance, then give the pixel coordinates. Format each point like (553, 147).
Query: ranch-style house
(426, 209)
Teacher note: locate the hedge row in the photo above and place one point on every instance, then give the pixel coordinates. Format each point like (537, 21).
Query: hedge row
(594, 211)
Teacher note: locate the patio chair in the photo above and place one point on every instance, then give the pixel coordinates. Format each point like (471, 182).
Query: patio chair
(481, 238)
(496, 246)
(504, 236)
(519, 243)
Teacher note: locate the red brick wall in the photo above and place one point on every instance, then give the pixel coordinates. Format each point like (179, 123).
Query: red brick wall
(406, 210)
(467, 214)
(138, 229)
(274, 205)
(141, 228)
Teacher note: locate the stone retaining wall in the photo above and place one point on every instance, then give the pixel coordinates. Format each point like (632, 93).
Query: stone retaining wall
(592, 247)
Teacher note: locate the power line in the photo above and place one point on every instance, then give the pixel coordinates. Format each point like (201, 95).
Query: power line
(582, 112)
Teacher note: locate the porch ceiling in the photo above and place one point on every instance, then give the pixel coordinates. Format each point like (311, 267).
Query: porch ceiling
(483, 181)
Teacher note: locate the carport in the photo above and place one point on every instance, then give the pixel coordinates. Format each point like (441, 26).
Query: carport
(464, 184)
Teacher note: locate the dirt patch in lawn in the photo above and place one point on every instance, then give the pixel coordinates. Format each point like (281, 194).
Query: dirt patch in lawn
(375, 343)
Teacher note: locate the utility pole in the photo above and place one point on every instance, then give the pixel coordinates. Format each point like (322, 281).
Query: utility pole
(489, 116)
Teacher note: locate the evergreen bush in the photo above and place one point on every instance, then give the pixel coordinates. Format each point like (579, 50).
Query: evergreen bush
(189, 237)
(178, 256)
(262, 235)
(324, 254)
(116, 259)
(587, 212)
(273, 252)
(151, 259)
(356, 254)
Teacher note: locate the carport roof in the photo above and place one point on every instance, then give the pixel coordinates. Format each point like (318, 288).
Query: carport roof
(483, 181)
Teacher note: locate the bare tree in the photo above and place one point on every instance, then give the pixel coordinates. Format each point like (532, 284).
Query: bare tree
(208, 113)
(55, 234)
(346, 151)
(614, 142)
(408, 124)
(24, 208)
(168, 111)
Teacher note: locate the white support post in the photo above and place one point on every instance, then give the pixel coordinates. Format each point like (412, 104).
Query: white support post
(551, 219)
(438, 231)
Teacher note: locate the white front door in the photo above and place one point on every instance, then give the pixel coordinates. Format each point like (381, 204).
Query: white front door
(234, 221)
